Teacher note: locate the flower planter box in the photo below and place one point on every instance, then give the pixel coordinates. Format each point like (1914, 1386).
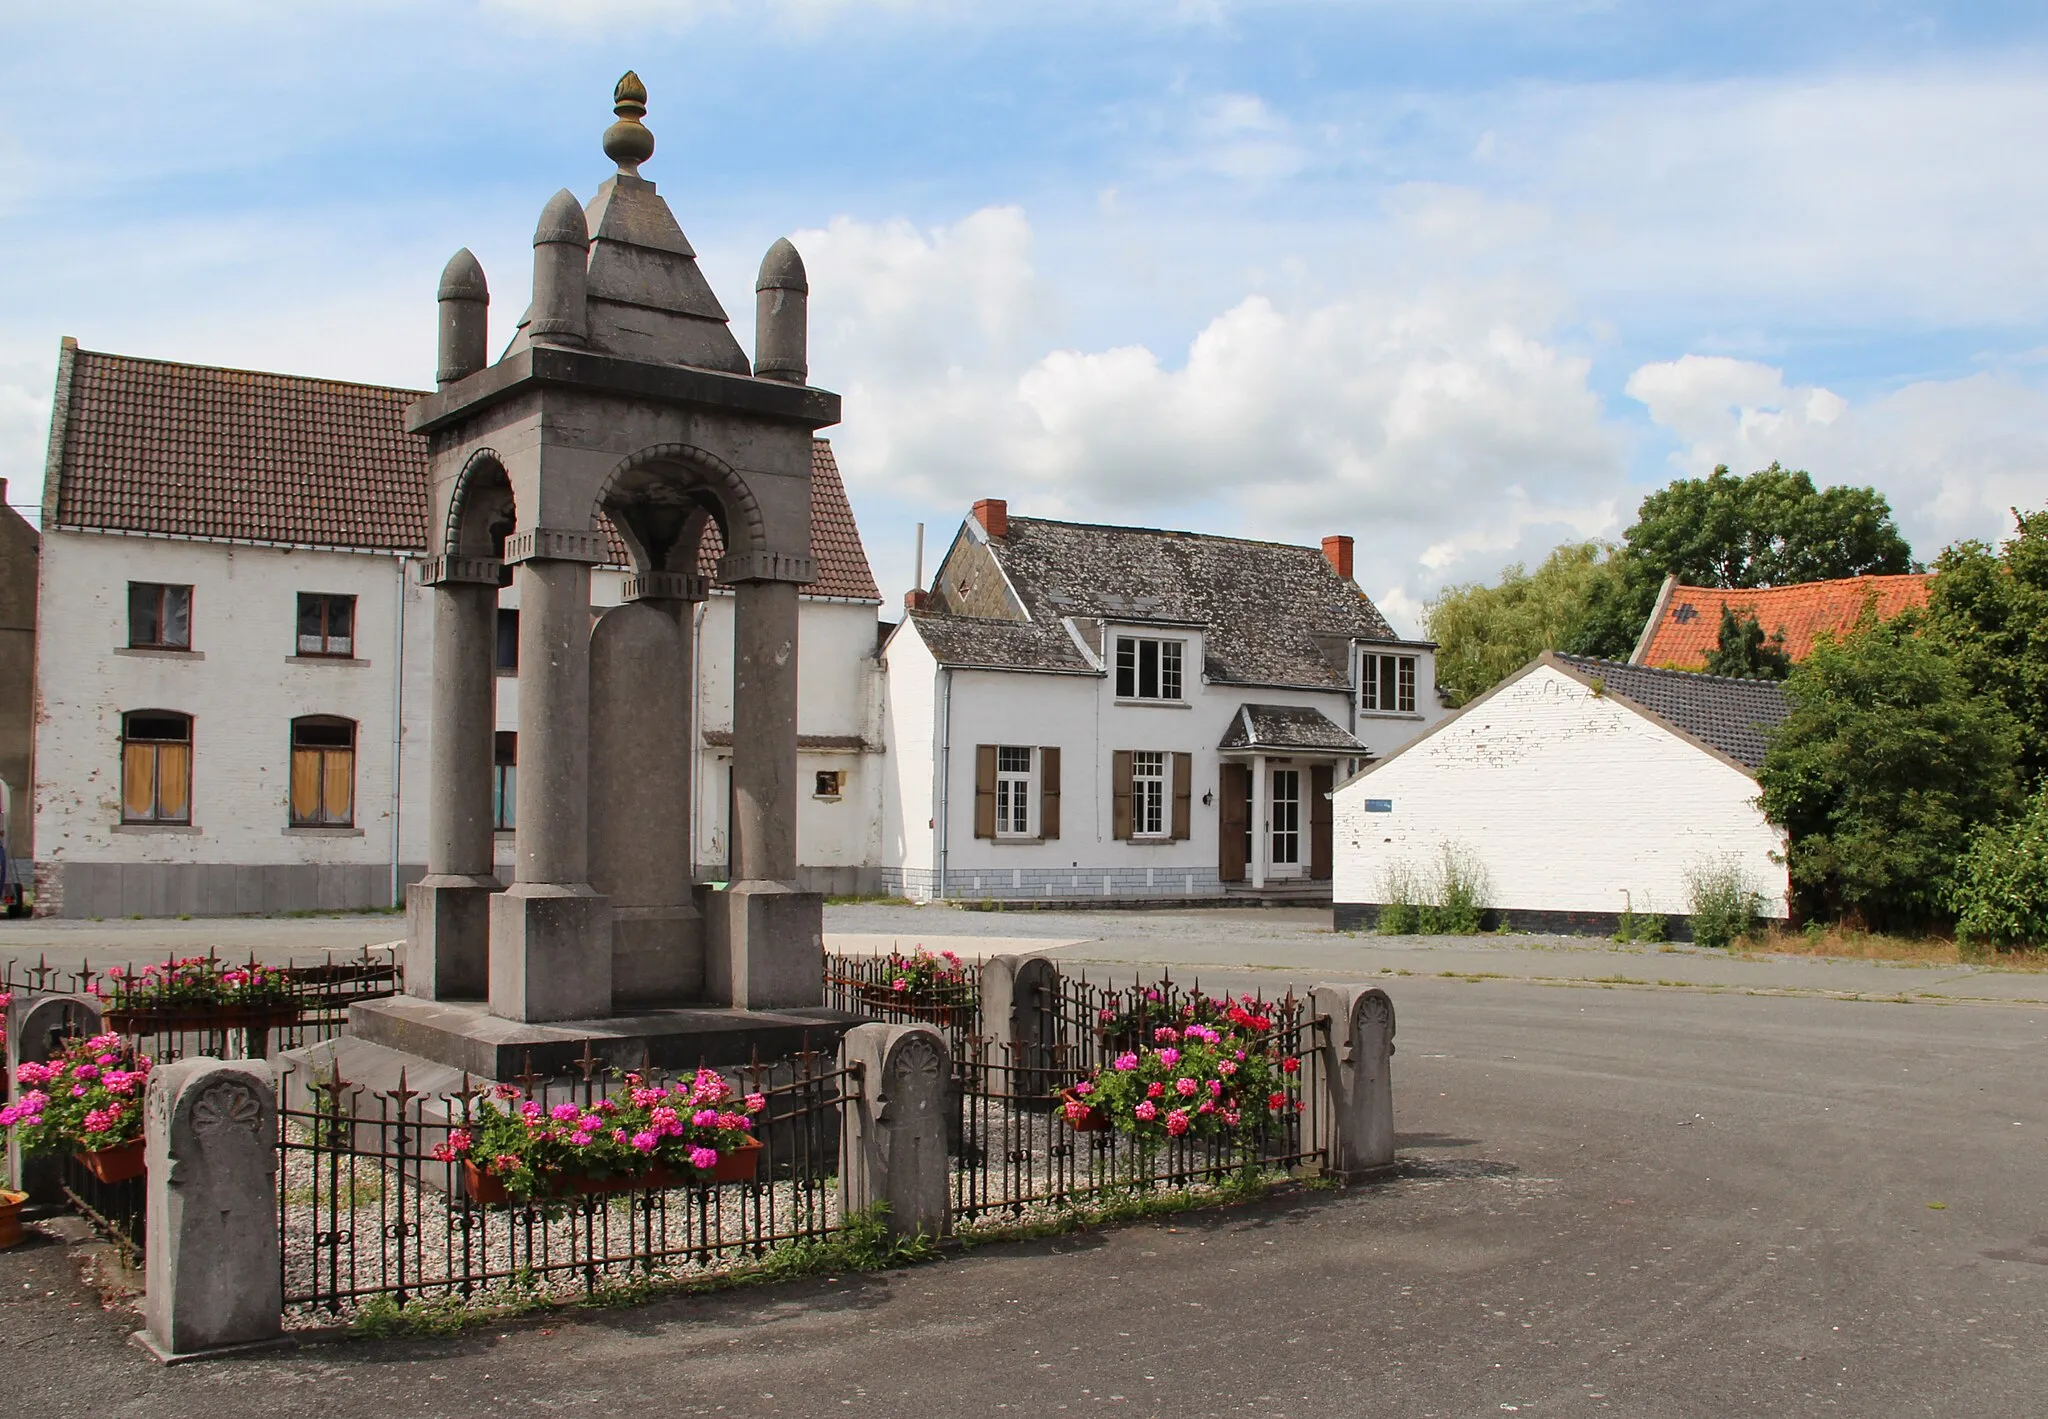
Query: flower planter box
(115, 1165)
(1092, 1122)
(944, 1014)
(160, 1019)
(10, 1217)
(739, 1165)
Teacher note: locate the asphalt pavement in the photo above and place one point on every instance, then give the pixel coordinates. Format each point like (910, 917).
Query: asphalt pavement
(1614, 1199)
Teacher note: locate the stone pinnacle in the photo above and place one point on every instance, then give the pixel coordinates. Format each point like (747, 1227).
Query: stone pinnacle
(628, 142)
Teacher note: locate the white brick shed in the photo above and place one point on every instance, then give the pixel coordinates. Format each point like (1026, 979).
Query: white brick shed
(1583, 787)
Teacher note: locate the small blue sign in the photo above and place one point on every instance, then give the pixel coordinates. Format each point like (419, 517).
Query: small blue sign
(1379, 805)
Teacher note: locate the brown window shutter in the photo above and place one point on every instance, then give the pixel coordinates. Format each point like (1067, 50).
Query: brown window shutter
(984, 790)
(1183, 781)
(1234, 783)
(1320, 780)
(1048, 793)
(1120, 794)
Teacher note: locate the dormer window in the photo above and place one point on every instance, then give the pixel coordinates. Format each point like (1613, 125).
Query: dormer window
(1148, 669)
(1386, 683)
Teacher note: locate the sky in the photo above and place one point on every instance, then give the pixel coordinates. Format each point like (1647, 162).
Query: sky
(1461, 278)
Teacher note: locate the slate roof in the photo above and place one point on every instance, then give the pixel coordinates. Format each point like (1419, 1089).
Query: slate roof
(1300, 727)
(1730, 715)
(1271, 614)
(1687, 623)
(151, 446)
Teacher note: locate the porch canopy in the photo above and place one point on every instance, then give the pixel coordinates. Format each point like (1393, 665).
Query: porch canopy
(1277, 761)
(1295, 731)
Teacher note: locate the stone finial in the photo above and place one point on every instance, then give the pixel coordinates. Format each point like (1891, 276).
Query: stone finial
(465, 301)
(628, 142)
(561, 247)
(782, 316)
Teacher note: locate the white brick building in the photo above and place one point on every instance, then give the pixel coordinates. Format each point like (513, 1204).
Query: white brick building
(233, 653)
(1583, 787)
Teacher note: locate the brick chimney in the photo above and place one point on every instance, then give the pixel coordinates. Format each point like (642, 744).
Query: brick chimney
(994, 516)
(1337, 551)
(916, 600)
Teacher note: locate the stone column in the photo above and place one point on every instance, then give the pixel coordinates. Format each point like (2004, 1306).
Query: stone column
(764, 937)
(893, 1142)
(641, 748)
(1262, 809)
(211, 1257)
(1016, 1014)
(551, 931)
(36, 1025)
(1355, 1116)
(447, 912)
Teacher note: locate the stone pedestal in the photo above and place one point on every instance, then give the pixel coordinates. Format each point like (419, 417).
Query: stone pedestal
(448, 936)
(211, 1257)
(764, 946)
(893, 1147)
(551, 953)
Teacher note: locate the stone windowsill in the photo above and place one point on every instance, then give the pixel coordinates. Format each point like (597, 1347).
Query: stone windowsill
(322, 832)
(151, 652)
(1013, 840)
(148, 829)
(508, 672)
(829, 797)
(341, 660)
(1155, 704)
(1384, 714)
(1167, 840)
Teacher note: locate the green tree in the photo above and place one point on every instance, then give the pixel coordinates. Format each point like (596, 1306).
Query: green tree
(1989, 610)
(1486, 633)
(2001, 889)
(1769, 529)
(1742, 652)
(1886, 763)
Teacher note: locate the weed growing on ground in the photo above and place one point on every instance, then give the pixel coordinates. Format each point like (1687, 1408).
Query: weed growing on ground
(1848, 943)
(1724, 901)
(1451, 901)
(1643, 927)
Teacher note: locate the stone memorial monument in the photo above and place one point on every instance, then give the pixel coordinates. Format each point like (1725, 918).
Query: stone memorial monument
(623, 414)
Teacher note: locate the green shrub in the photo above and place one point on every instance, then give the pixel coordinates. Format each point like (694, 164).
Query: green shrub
(1451, 901)
(2001, 892)
(1644, 927)
(1398, 894)
(1724, 903)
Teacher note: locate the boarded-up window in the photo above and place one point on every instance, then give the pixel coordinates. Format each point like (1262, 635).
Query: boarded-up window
(156, 767)
(323, 772)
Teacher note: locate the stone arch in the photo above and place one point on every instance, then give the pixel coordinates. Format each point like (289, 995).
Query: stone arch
(482, 511)
(660, 515)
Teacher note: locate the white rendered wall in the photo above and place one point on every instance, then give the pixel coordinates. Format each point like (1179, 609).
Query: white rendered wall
(1573, 802)
(241, 685)
(909, 689)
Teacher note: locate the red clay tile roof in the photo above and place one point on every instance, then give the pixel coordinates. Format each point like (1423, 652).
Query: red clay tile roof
(1689, 625)
(247, 456)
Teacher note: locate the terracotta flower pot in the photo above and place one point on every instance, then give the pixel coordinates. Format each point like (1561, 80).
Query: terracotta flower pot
(738, 1165)
(10, 1217)
(1091, 1122)
(115, 1165)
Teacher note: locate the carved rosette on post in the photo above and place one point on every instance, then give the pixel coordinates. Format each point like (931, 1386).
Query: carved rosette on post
(213, 1280)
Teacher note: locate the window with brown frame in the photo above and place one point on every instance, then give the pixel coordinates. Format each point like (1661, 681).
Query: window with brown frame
(327, 624)
(323, 772)
(156, 767)
(504, 781)
(159, 616)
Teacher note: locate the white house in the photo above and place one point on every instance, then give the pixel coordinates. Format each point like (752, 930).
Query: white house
(233, 653)
(1077, 711)
(1583, 787)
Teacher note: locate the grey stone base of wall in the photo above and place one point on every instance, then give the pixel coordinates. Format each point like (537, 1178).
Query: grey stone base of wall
(1365, 916)
(1066, 885)
(123, 889)
(825, 881)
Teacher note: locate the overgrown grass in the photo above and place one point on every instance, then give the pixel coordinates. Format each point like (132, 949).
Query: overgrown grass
(1849, 943)
(1449, 900)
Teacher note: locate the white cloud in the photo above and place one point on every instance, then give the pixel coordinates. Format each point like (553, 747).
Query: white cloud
(1416, 420)
(1952, 455)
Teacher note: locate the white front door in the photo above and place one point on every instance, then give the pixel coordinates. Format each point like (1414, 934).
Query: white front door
(1284, 817)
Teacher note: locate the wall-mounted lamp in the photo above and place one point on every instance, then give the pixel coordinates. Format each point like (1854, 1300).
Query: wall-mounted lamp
(1207, 799)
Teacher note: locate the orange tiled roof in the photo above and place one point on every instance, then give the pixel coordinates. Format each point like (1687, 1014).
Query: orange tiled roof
(247, 456)
(1688, 625)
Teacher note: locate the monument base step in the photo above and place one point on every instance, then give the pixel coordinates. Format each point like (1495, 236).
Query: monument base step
(464, 1036)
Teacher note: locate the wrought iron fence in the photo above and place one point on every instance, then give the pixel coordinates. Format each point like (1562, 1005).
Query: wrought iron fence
(865, 986)
(319, 996)
(116, 1210)
(366, 1208)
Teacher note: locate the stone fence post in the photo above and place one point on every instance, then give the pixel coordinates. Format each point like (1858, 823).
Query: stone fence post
(212, 1282)
(893, 1142)
(36, 1028)
(1355, 1117)
(1017, 998)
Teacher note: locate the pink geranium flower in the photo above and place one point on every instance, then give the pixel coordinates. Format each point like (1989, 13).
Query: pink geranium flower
(703, 1157)
(1146, 1110)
